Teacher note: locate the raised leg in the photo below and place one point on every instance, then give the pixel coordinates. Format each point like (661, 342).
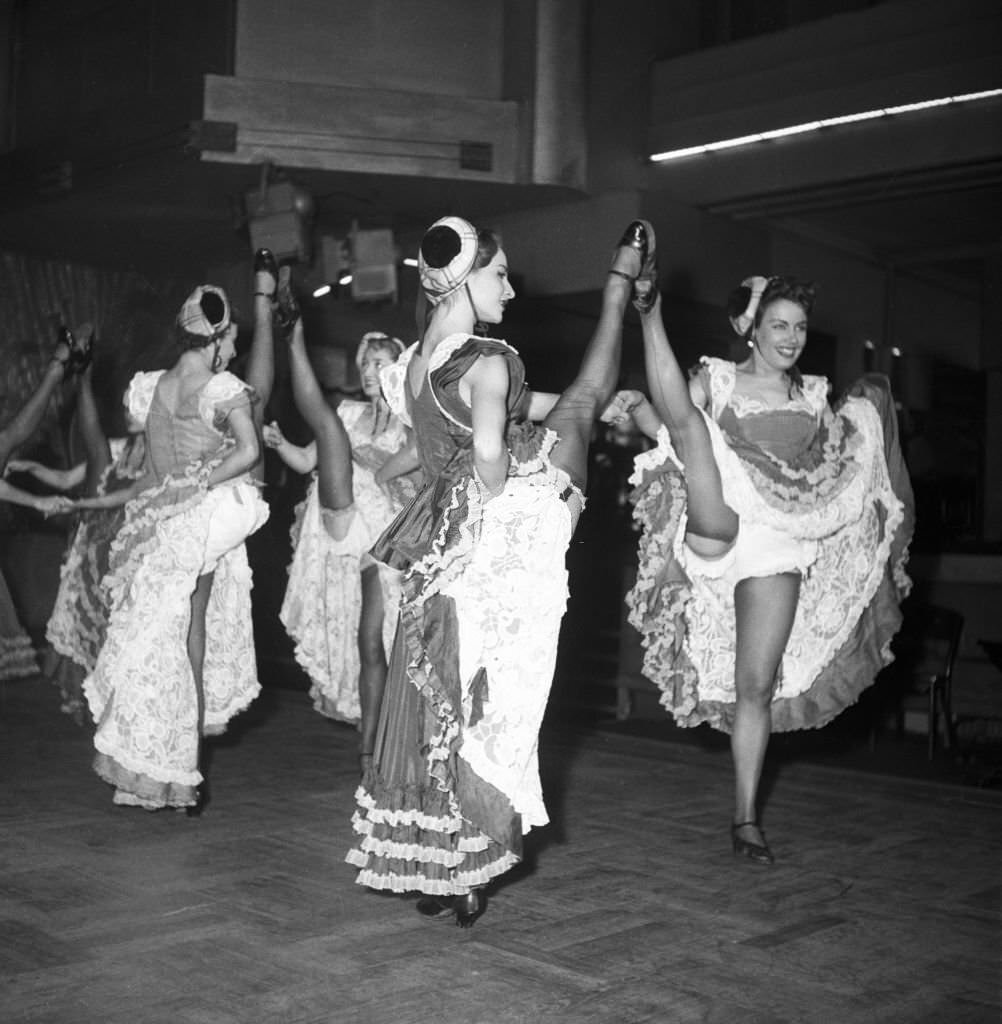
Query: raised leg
(764, 610)
(91, 432)
(334, 477)
(261, 360)
(576, 410)
(26, 420)
(712, 525)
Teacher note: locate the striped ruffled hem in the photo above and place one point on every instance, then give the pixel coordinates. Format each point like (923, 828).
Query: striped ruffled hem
(17, 658)
(410, 840)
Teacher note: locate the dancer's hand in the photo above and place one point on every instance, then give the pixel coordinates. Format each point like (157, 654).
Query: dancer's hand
(272, 435)
(54, 504)
(632, 409)
(620, 411)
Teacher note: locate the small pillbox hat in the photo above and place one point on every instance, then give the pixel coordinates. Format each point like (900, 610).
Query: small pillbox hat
(447, 257)
(206, 312)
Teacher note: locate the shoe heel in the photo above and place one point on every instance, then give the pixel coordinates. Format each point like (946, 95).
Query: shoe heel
(469, 907)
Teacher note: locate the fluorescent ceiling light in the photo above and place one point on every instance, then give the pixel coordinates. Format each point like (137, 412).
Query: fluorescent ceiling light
(323, 290)
(825, 122)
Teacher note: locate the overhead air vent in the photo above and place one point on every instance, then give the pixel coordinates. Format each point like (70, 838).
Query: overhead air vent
(476, 156)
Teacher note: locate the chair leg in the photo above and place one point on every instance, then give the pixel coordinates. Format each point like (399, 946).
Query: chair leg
(933, 725)
(949, 728)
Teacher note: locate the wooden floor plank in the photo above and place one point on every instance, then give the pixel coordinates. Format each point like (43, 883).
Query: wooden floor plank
(883, 906)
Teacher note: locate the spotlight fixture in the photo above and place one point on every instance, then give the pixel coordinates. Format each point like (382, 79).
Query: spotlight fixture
(279, 216)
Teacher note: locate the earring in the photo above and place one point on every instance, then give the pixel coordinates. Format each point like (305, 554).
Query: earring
(751, 344)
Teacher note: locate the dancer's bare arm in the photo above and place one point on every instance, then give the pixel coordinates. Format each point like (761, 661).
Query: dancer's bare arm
(113, 499)
(244, 454)
(487, 386)
(46, 504)
(299, 458)
(57, 479)
(404, 460)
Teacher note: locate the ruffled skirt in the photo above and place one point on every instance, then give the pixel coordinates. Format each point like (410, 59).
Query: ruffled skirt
(142, 691)
(849, 548)
(79, 618)
(323, 605)
(456, 767)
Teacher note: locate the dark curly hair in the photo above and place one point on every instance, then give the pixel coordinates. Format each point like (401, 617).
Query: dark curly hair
(802, 293)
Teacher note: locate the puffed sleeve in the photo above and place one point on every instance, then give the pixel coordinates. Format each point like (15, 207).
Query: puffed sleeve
(393, 379)
(139, 395)
(221, 396)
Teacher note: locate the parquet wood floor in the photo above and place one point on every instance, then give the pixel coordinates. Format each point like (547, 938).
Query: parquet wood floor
(883, 906)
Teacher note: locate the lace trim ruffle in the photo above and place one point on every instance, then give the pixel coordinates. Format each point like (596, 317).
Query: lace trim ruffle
(677, 629)
(134, 788)
(137, 538)
(393, 381)
(722, 374)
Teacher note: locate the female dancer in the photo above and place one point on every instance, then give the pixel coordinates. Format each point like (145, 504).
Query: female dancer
(775, 533)
(178, 659)
(340, 606)
(72, 355)
(455, 775)
(79, 617)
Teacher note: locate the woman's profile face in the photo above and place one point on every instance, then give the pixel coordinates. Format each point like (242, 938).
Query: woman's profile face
(375, 358)
(227, 347)
(491, 290)
(781, 333)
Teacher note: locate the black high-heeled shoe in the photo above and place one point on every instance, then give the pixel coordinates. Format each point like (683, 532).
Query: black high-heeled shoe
(469, 907)
(265, 263)
(639, 235)
(759, 853)
(287, 312)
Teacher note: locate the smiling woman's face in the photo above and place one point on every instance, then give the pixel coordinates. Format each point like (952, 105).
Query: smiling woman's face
(376, 357)
(781, 333)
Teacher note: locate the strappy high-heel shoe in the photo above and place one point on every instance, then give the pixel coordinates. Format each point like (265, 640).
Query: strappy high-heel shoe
(265, 263)
(759, 853)
(639, 235)
(287, 312)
